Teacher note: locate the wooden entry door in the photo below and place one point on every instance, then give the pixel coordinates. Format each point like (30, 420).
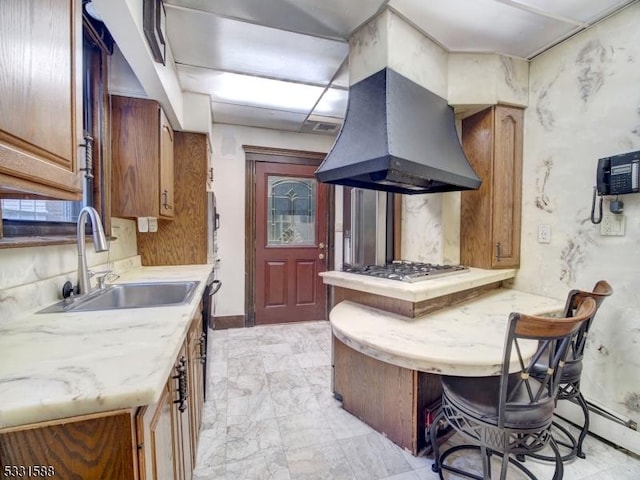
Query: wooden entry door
(291, 239)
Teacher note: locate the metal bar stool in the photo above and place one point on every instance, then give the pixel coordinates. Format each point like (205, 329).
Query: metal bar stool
(569, 388)
(511, 414)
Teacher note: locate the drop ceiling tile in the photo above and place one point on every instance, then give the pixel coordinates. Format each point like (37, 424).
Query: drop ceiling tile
(342, 76)
(247, 90)
(580, 10)
(333, 103)
(329, 18)
(206, 40)
(256, 117)
(484, 26)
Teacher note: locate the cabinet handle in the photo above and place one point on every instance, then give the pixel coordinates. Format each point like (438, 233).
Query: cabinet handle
(165, 200)
(203, 353)
(498, 251)
(211, 174)
(181, 376)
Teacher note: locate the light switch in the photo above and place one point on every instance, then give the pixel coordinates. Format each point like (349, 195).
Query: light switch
(143, 224)
(153, 224)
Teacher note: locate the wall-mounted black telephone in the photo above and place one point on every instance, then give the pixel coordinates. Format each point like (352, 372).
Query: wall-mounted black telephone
(616, 175)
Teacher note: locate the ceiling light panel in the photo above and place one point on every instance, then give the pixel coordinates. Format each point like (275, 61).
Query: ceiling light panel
(333, 103)
(483, 26)
(585, 11)
(256, 117)
(206, 40)
(329, 18)
(247, 90)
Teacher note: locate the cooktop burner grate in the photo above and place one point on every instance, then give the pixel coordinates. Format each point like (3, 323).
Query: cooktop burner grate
(406, 271)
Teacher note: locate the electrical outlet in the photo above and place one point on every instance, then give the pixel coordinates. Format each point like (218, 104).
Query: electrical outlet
(544, 233)
(143, 224)
(153, 224)
(612, 225)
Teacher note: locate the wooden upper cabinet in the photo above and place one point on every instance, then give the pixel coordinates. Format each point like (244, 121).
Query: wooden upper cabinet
(490, 218)
(41, 97)
(142, 149)
(184, 240)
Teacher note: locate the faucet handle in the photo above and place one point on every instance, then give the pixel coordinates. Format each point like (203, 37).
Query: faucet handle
(68, 290)
(101, 277)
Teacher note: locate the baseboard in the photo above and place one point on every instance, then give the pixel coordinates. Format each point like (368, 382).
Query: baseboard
(230, 321)
(609, 430)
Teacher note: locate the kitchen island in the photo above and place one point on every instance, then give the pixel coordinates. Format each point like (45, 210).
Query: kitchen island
(76, 375)
(387, 366)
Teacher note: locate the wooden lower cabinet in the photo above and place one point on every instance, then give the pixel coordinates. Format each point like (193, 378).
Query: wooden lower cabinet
(390, 399)
(197, 357)
(153, 442)
(88, 447)
(156, 436)
(164, 430)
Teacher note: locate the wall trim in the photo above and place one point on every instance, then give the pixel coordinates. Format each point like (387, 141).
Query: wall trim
(228, 321)
(254, 154)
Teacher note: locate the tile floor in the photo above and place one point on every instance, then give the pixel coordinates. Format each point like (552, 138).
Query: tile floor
(270, 414)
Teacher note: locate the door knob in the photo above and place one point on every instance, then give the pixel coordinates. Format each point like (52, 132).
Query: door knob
(321, 245)
(321, 256)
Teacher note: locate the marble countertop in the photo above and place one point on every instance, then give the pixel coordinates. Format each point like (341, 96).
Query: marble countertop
(466, 339)
(66, 364)
(418, 291)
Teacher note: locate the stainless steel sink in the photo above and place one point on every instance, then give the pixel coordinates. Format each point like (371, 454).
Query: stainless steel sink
(129, 295)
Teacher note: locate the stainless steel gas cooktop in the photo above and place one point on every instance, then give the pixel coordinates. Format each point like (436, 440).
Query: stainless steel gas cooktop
(406, 271)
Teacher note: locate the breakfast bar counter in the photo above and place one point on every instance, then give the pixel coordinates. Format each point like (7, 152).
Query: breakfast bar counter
(387, 366)
(465, 339)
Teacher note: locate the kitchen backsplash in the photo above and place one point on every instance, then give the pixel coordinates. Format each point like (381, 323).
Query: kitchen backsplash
(33, 277)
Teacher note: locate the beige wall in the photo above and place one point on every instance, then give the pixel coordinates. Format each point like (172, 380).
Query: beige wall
(32, 277)
(229, 182)
(585, 104)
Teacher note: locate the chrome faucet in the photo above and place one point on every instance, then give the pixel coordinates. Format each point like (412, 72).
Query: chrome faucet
(99, 244)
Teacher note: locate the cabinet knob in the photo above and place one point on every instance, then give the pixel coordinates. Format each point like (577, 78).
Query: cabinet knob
(211, 174)
(498, 251)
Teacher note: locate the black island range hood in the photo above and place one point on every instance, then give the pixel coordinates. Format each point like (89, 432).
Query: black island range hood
(397, 137)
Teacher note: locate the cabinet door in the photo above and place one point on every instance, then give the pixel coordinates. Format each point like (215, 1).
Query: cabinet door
(166, 168)
(41, 97)
(197, 357)
(507, 186)
(89, 446)
(142, 141)
(181, 410)
(490, 216)
(157, 439)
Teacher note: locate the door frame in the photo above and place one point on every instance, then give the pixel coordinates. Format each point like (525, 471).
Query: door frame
(254, 154)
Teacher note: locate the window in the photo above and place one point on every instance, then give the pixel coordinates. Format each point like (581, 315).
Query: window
(40, 210)
(24, 215)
